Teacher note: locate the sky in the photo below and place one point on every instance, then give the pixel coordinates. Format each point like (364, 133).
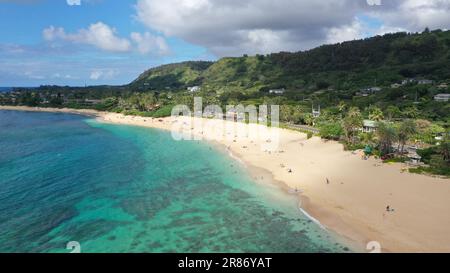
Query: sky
(93, 42)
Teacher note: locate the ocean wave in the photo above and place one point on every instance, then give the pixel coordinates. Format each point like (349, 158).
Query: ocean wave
(310, 217)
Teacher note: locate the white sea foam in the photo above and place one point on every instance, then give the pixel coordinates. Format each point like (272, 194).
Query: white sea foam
(235, 157)
(311, 218)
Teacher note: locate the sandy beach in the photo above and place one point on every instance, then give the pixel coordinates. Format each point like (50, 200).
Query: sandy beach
(346, 194)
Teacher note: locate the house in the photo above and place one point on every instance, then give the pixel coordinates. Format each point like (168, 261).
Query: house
(371, 90)
(194, 89)
(92, 102)
(442, 97)
(443, 86)
(414, 158)
(369, 126)
(396, 85)
(277, 91)
(408, 81)
(375, 89)
(439, 138)
(423, 82)
(362, 94)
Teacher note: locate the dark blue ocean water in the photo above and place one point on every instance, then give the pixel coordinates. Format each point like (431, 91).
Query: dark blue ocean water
(128, 189)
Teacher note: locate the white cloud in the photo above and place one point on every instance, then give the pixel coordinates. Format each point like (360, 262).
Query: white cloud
(248, 26)
(105, 37)
(147, 43)
(66, 76)
(33, 76)
(346, 32)
(414, 15)
(73, 2)
(262, 26)
(103, 74)
(99, 35)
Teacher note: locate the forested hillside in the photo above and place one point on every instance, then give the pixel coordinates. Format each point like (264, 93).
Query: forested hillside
(380, 60)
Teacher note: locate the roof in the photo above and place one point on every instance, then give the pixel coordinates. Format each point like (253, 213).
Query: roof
(370, 123)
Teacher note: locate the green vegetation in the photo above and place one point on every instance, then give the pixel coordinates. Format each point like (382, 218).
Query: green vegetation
(438, 159)
(331, 130)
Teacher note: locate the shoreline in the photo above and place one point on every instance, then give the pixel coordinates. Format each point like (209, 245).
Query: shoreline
(303, 203)
(353, 204)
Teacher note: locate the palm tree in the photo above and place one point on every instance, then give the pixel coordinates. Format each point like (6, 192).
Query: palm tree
(411, 112)
(392, 112)
(308, 119)
(341, 107)
(406, 129)
(387, 135)
(376, 114)
(352, 123)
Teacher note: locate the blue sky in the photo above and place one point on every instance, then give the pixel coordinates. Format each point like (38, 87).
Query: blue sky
(111, 42)
(27, 59)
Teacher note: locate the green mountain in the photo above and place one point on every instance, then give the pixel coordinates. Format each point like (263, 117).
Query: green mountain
(172, 76)
(381, 60)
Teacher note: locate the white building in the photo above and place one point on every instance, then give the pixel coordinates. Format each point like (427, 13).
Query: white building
(369, 126)
(371, 90)
(407, 81)
(277, 91)
(442, 97)
(425, 82)
(194, 89)
(375, 89)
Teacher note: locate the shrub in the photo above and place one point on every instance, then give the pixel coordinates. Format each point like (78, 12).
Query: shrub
(331, 130)
(165, 111)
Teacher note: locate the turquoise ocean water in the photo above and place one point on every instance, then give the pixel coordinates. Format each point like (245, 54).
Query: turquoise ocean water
(129, 189)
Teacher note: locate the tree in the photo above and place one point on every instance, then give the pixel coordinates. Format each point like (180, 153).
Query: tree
(387, 135)
(342, 107)
(352, 123)
(308, 119)
(411, 112)
(331, 130)
(427, 131)
(297, 114)
(286, 112)
(406, 129)
(376, 114)
(368, 138)
(393, 112)
(444, 149)
(147, 102)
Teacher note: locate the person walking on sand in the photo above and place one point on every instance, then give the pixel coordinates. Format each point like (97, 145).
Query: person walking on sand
(328, 181)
